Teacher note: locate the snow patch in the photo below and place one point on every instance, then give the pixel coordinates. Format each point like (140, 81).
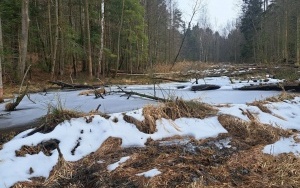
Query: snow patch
(113, 166)
(150, 173)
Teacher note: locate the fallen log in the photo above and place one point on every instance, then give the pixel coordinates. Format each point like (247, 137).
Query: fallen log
(5, 114)
(12, 105)
(169, 79)
(130, 93)
(204, 87)
(64, 85)
(271, 87)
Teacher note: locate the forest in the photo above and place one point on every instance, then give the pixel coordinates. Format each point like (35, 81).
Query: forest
(100, 38)
(133, 93)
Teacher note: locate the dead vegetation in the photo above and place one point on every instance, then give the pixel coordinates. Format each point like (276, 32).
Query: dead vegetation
(282, 97)
(171, 110)
(46, 147)
(54, 118)
(195, 163)
(7, 136)
(251, 133)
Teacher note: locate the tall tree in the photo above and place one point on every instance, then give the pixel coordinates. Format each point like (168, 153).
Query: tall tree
(1, 55)
(88, 33)
(252, 10)
(119, 37)
(54, 55)
(101, 22)
(24, 37)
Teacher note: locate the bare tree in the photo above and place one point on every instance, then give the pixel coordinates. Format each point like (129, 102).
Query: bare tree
(196, 8)
(100, 62)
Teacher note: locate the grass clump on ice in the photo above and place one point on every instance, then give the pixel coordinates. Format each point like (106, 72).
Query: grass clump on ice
(282, 97)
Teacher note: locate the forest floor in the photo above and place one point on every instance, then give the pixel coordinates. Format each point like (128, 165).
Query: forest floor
(238, 142)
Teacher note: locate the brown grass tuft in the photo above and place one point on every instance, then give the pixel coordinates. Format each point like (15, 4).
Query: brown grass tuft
(283, 96)
(6, 136)
(251, 133)
(46, 147)
(62, 170)
(171, 110)
(93, 92)
(148, 126)
(180, 109)
(260, 105)
(56, 117)
(108, 146)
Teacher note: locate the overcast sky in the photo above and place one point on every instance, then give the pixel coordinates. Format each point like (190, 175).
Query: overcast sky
(219, 12)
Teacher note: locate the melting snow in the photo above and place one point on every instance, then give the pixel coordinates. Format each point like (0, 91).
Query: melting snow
(112, 167)
(150, 173)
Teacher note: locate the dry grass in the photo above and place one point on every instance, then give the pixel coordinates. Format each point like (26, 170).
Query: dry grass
(93, 92)
(260, 105)
(283, 96)
(7, 136)
(57, 116)
(252, 168)
(195, 164)
(184, 67)
(171, 110)
(251, 133)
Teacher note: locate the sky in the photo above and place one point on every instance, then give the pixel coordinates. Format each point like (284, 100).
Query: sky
(219, 12)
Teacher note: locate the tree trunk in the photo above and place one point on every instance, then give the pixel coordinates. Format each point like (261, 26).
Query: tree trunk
(24, 38)
(88, 33)
(285, 47)
(55, 41)
(74, 63)
(50, 35)
(100, 63)
(1, 57)
(298, 40)
(61, 34)
(119, 39)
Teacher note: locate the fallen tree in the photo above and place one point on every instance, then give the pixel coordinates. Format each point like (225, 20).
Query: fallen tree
(11, 106)
(64, 85)
(271, 87)
(204, 87)
(130, 93)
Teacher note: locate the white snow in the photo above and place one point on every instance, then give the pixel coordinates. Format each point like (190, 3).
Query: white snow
(284, 145)
(77, 138)
(150, 173)
(113, 166)
(91, 136)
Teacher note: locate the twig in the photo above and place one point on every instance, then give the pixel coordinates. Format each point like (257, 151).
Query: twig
(24, 78)
(98, 108)
(5, 114)
(28, 96)
(144, 95)
(71, 78)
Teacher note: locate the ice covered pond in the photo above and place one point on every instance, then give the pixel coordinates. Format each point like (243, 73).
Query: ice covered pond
(28, 111)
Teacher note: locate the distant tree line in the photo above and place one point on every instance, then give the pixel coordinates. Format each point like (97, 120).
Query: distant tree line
(272, 31)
